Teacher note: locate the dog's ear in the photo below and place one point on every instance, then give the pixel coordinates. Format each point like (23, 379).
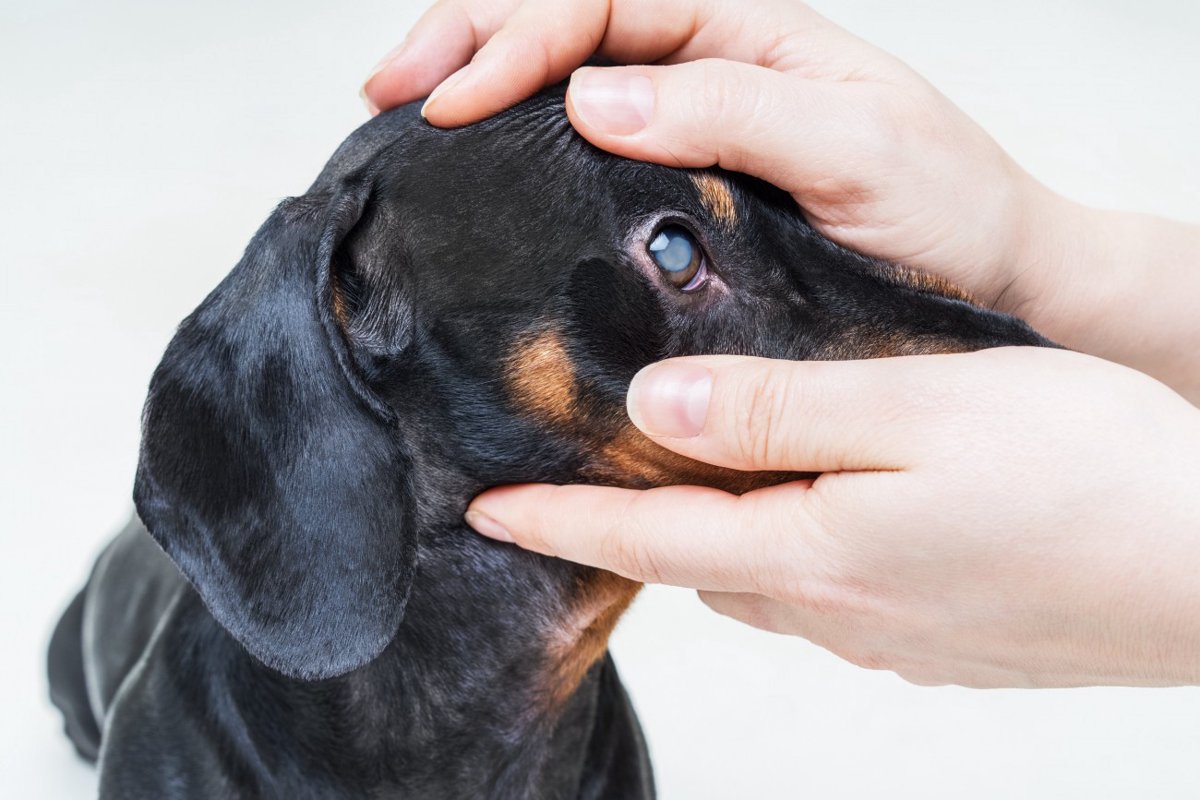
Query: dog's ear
(270, 472)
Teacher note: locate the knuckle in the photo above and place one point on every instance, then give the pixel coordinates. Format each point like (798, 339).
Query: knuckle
(883, 112)
(777, 549)
(722, 94)
(613, 550)
(465, 16)
(532, 536)
(536, 524)
(633, 558)
(760, 407)
(835, 541)
(721, 106)
(626, 550)
(875, 127)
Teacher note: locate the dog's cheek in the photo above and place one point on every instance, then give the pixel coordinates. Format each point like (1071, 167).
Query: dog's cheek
(614, 323)
(632, 461)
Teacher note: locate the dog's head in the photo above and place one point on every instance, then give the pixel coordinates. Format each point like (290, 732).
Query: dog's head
(449, 310)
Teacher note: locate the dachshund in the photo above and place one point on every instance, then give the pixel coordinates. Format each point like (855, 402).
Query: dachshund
(298, 610)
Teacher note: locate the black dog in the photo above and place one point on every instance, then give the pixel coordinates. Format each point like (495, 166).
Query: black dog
(443, 311)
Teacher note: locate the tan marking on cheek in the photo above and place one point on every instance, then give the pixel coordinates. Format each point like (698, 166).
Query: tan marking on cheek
(629, 459)
(633, 460)
(541, 378)
(600, 599)
(717, 198)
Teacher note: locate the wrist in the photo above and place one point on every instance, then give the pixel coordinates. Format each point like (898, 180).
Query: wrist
(1055, 279)
(1117, 285)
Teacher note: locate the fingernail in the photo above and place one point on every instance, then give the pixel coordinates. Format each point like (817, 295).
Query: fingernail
(670, 399)
(372, 109)
(388, 58)
(451, 81)
(487, 526)
(612, 100)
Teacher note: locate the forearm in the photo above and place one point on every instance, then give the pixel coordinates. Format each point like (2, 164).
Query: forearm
(1118, 285)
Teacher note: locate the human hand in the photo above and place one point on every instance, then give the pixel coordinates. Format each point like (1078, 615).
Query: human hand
(879, 160)
(1011, 517)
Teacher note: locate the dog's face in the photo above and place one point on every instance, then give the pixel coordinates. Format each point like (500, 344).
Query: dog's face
(449, 310)
(538, 274)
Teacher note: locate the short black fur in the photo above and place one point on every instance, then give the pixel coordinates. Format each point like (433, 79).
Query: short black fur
(322, 623)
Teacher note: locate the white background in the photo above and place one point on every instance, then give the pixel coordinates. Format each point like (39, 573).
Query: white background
(142, 143)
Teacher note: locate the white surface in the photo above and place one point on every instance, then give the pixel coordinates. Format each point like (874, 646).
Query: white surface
(141, 145)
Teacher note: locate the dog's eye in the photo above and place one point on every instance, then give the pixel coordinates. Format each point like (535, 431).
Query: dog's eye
(679, 256)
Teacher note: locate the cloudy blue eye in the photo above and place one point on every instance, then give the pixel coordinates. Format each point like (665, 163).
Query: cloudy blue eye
(678, 255)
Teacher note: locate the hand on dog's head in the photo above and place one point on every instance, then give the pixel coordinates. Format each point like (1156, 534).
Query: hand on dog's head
(446, 310)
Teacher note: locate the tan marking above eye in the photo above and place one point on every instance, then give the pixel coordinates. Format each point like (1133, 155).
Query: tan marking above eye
(717, 198)
(541, 378)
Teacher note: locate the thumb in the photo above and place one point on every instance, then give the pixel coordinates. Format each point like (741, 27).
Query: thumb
(803, 416)
(746, 118)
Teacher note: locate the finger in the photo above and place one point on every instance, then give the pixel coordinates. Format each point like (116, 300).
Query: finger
(743, 117)
(541, 41)
(538, 45)
(807, 416)
(679, 535)
(442, 41)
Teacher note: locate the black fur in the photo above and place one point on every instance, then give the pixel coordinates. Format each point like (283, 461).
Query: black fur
(323, 624)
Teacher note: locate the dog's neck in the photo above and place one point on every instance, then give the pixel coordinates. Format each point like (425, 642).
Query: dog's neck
(492, 686)
(497, 680)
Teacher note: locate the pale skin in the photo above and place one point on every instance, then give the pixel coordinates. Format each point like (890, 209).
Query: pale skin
(1015, 517)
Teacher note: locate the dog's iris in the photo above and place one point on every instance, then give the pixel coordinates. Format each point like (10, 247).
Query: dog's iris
(678, 255)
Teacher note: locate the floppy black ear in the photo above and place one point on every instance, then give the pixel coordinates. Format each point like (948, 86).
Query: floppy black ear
(269, 472)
